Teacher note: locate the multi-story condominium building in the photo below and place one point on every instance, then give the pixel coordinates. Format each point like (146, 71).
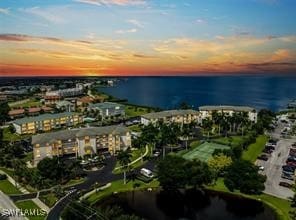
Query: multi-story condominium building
(65, 92)
(207, 111)
(51, 100)
(177, 116)
(80, 142)
(107, 109)
(65, 106)
(46, 122)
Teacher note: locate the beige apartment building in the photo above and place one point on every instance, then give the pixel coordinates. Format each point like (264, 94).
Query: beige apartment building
(81, 142)
(207, 111)
(46, 122)
(177, 116)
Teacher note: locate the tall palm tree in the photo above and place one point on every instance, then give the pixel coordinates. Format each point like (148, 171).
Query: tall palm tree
(140, 143)
(185, 133)
(124, 158)
(150, 134)
(207, 125)
(244, 119)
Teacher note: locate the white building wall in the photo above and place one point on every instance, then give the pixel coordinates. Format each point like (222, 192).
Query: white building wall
(18, 128)
(144, 121)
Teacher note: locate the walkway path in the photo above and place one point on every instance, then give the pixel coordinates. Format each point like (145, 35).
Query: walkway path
(103, 176)
(25, 191)
(136, 160)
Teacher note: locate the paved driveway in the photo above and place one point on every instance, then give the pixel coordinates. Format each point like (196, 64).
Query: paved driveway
(101, 176)
(273, 167)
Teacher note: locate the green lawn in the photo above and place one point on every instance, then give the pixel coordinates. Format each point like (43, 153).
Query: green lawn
(73, 182)
(194, 144)
(7, 188)
(118, 186)
(133, 111)
(49, 199)
(230, 141)
(255, 149)
(8, 171)
(28, 206)
(31, 103)
(8, 136)
(281, 206)
(135, 128)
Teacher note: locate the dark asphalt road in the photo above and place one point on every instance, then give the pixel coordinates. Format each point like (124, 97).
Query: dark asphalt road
(102, 176)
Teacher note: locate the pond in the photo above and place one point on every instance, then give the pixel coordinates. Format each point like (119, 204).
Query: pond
(193, 204)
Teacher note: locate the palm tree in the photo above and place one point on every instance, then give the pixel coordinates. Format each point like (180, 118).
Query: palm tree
(244, 120)
(124, 158)
(185, 133)
(150, 134)
(207, 125)
(140, 143)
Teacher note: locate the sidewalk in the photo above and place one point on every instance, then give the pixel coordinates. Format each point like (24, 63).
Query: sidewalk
(25, 191)
(85, 196)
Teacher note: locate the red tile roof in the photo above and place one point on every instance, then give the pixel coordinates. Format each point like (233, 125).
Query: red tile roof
(16, 112)
(47, 109)
(33, 110)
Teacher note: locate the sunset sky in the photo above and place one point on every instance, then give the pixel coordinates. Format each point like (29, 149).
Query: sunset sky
(146, 37)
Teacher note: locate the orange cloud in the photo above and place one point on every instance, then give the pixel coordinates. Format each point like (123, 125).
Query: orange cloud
(24, 54)
(112, 2)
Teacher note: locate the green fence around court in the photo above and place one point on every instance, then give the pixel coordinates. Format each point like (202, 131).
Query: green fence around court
(204, 151)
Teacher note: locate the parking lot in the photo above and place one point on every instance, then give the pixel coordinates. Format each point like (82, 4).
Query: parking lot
(273, 166)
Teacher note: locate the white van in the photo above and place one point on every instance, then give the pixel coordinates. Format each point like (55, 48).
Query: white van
(147, 173)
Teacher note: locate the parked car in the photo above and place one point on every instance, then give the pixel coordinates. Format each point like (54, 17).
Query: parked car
(263, 157)
(291, 159)
(269, 147)
(292, 152)
(291, 163)
(285, 184)
(287, 176)
(288, 172)
(288, 168)
(267, 151)
(156, 154)
(147, 173)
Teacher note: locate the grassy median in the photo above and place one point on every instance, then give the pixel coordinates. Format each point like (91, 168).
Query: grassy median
(7, 188)
(118, 186)
(255, 149)
(29, 205)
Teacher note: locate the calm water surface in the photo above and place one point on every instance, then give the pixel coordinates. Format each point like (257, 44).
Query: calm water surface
(273, 92)
(191, 205)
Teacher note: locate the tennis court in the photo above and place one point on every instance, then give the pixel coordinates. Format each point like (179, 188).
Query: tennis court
(204, 151)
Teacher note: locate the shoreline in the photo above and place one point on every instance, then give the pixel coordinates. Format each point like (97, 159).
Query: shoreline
(279, 213)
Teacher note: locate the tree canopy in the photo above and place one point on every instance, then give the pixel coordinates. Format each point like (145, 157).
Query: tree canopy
(175, 173)
(243, 175)
(219, 163)
(4, 109)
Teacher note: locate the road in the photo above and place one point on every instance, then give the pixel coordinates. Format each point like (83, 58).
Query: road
(103, 176)
(273, 167)
(5, 204)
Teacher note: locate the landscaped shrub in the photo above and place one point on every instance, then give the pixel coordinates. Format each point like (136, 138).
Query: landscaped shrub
(3, 176)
